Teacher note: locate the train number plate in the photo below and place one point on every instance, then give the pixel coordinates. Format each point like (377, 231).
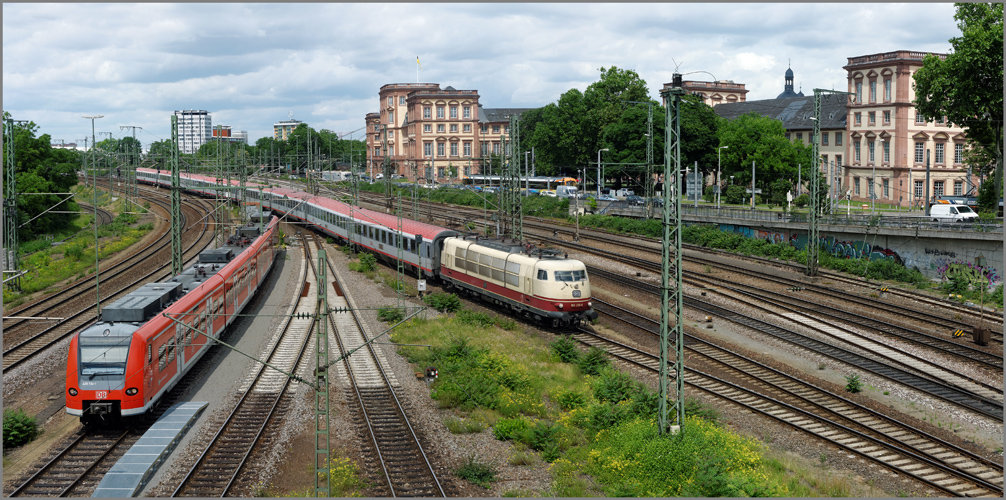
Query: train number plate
(576, 294)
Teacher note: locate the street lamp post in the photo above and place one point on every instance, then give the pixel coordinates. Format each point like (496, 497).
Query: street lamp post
(752, 185)
(599, 171)
(719, 186)
(527, 181)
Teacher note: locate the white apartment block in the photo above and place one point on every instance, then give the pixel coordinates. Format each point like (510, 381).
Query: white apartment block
(194, 130)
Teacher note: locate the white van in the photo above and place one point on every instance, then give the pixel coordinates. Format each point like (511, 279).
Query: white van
(566, 191)
(941, 212)
(621, 193)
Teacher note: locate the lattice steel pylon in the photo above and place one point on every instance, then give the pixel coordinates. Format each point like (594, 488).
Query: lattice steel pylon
(813, 231)
(322, 486)
(511, 215)
(672, 236)
(400, 282)
(176, 203)
(12, 264)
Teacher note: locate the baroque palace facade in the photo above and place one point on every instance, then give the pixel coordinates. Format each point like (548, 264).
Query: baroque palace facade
(427, 132)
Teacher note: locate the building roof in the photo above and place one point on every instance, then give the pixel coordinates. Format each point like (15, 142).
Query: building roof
(489, 115)
(794, 112)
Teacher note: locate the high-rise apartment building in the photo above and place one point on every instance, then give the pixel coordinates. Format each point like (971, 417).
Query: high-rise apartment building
(889, 140)
(194, 129)
(426, 132)
(281, 130)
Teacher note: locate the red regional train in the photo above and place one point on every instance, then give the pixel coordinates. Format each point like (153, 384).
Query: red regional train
(121, 365)
(540, 285)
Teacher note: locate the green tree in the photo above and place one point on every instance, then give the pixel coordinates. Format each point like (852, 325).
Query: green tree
(967, 86)
(41, 170)
(760, 139)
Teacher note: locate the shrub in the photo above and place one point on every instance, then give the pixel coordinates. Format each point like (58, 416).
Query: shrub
(570, 400)
(18, 428)
(510, 428)
(368, 262)
(565, 349)
(390, 314)
(476, 472)
(614, 386)
(444, 302)
(541, 436)
(463, 426)
(853, 383)
(593, 361)
(476, 318)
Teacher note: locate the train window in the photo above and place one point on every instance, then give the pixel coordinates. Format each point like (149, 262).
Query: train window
(570, 275)
(484, 271)
(497, 274)
(512, 279)
(543, 275)
(472, 266)
(103, 355)
(513, 267)
(486, 260)
(161, 363)
(498, 263)
(459, 253)
(150, 353)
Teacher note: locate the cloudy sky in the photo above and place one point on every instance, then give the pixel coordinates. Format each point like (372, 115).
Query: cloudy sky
(253, 64)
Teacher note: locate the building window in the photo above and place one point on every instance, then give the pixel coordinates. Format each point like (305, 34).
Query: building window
(391, 101)
(939, 120)
(454, 111)
(401, 100)
(466, 112)
(787, 136)
(918, 117)
(869, 188)
(440, 149)
(391, 151)
(824, 138)
(427, 149)
(887, 188)
(824, 160)
(870, 146)
(454, 128)
(887, 117)
(440, 171)
(873, 91)
(887, 89)
(887, 152)
(485, 128)
(454, 149)
(939, 153)
(467, 128)
(938, 188)
(485, 148)
(918, 189)
(799, 136)
(468, 149)
(958, 153)
(856, 146)
(440, 111)
(958, 188)
(858, 118)
(859, 92)
(427, 128)
(838, 160)
(427, 112)
(377, 127)
(506, 129)
(838, 138)
(377, 151)
(873, 117)
(496, 129)
(440, 128)
(920, 155)
(855, 185)
(391, 117)
(496, 148)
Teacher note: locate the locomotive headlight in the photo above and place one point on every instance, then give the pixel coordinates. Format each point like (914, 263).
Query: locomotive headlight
(559, 306)
(590, 304)
(72, 391)
(131, 391)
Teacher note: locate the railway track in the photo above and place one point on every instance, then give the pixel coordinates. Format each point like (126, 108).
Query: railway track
(403, 467)
(74, 304)
(216, 472)
(958, 396)
(817, 412)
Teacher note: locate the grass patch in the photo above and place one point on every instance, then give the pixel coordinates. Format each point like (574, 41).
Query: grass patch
(463, 425)
(476, 472)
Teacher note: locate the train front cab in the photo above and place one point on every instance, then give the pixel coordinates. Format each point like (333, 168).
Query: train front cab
(102, 377)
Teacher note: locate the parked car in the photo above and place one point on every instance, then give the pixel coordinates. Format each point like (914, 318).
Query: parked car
(566, 191)
(635, 200)
(605, 197)
(624, 192)
(547, 192)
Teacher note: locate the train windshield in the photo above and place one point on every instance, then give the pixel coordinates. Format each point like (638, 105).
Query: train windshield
(571, 275)
(103, 355)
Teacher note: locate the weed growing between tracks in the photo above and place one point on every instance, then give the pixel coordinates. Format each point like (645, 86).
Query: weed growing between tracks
(598, 432)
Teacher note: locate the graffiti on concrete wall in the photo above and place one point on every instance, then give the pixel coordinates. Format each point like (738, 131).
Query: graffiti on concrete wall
(941, 253)
(970, 272)
(858, 250)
